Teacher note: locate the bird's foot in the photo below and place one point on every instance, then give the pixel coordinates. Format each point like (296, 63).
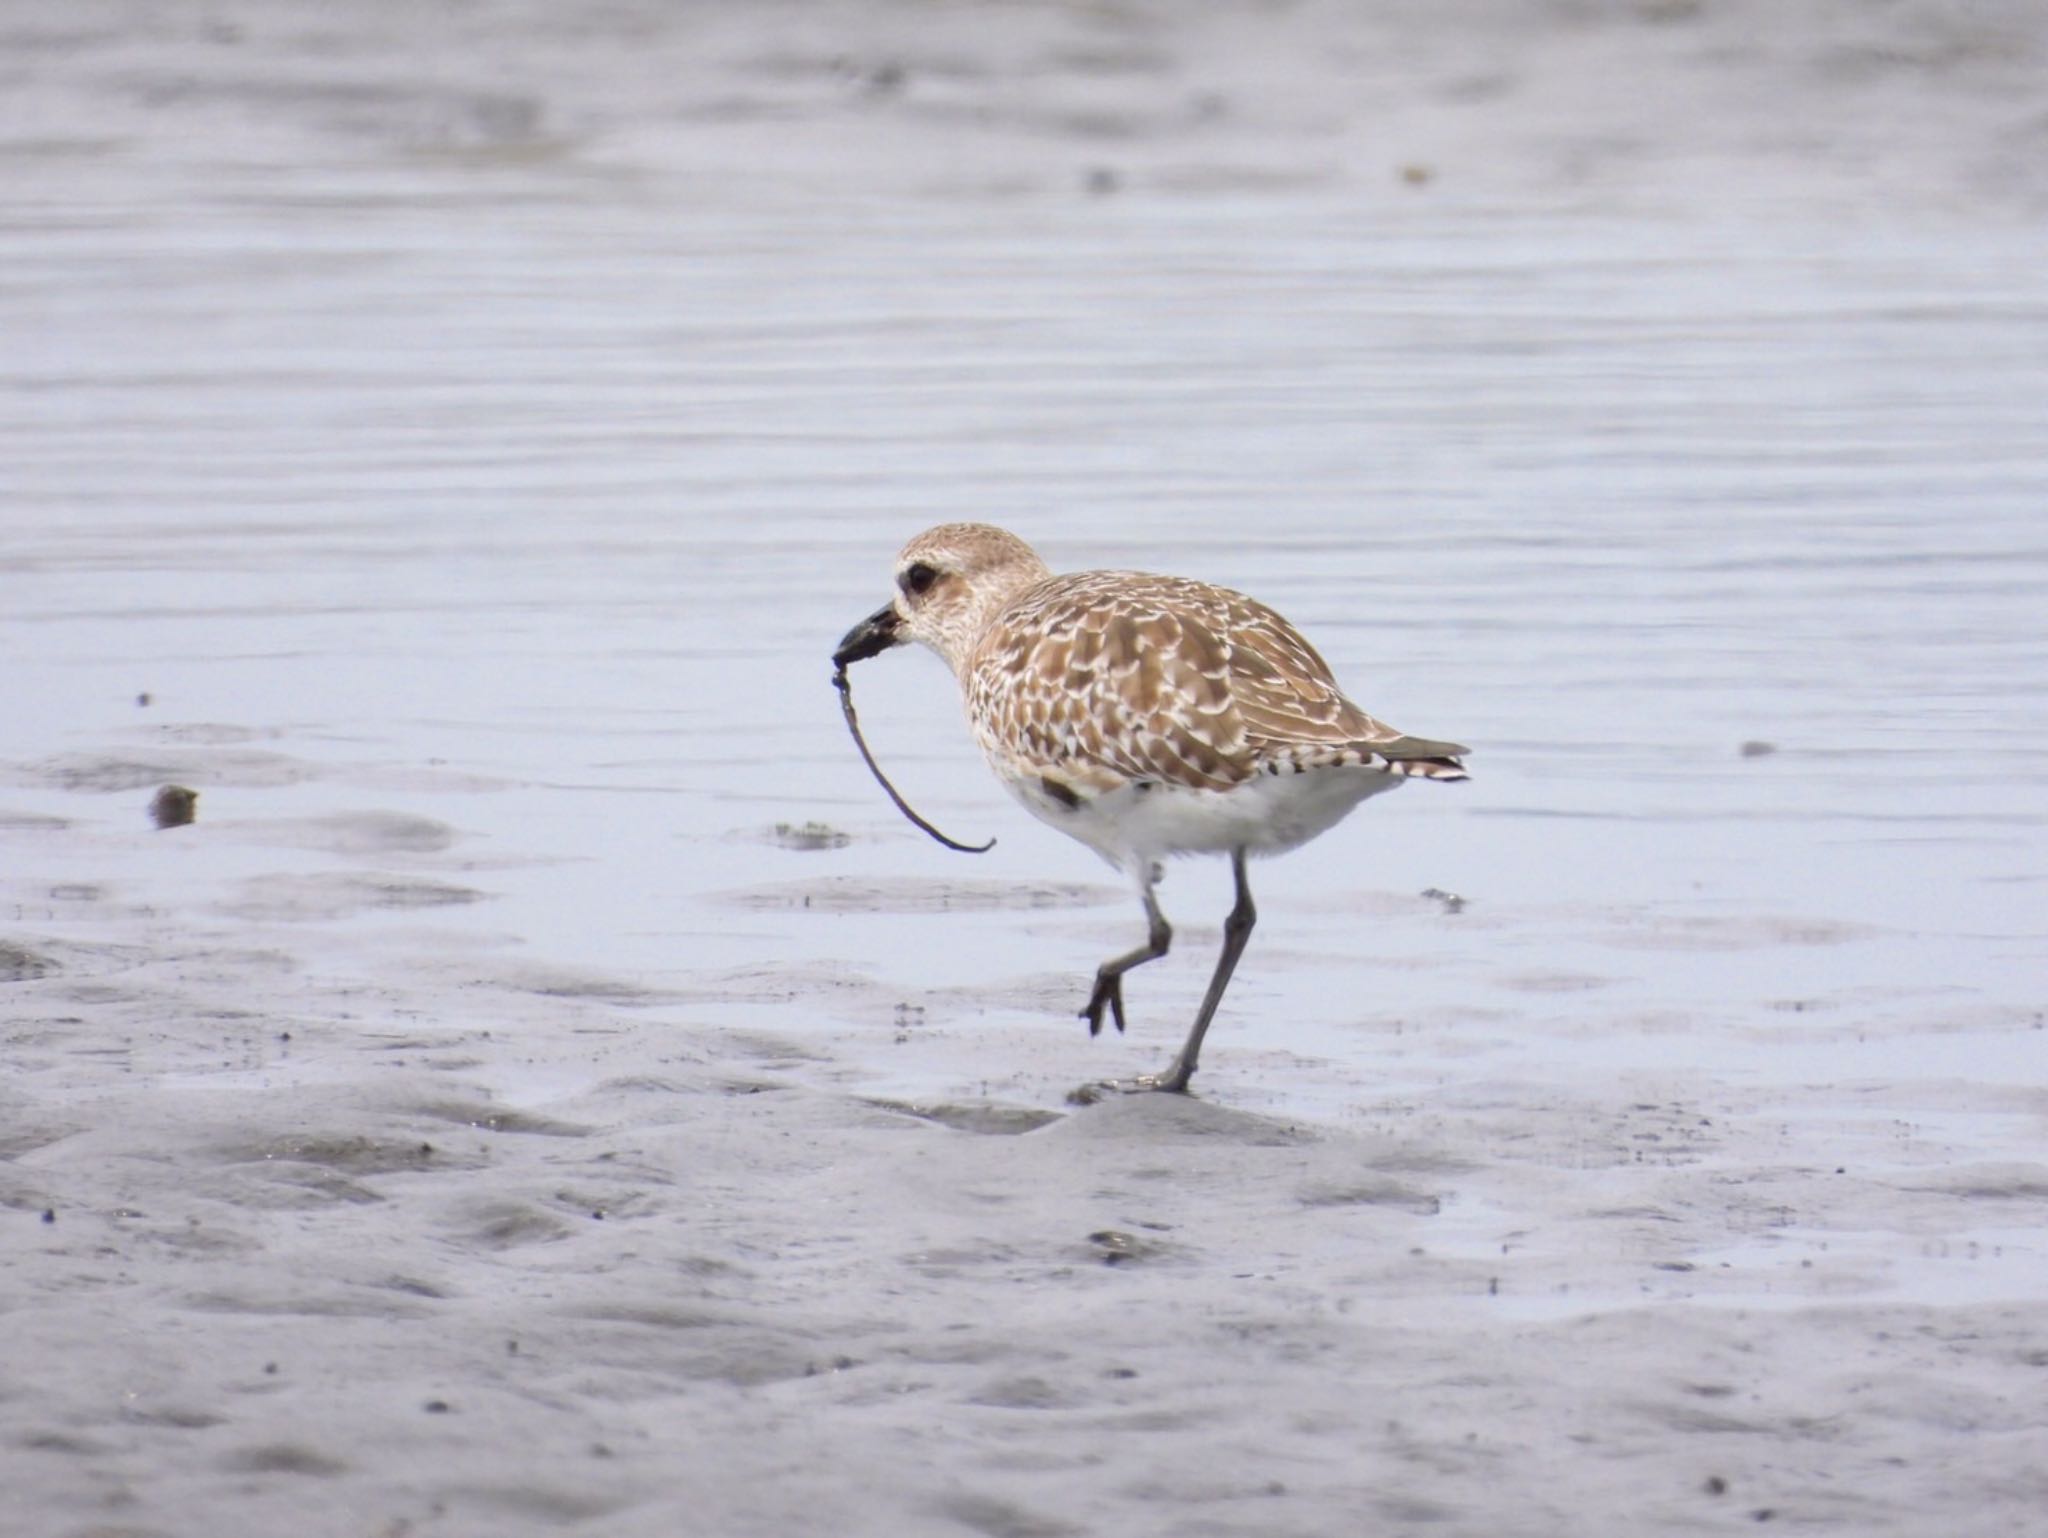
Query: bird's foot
(1108, 994)
(1171, 1082)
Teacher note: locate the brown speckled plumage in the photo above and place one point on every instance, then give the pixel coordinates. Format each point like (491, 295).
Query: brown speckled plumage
(1105, 677)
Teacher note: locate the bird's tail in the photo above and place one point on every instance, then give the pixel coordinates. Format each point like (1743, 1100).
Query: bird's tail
(1428, 768)
(1414, 758)
(1418, 758)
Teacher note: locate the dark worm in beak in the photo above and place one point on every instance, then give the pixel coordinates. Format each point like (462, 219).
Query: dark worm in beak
(871, 637)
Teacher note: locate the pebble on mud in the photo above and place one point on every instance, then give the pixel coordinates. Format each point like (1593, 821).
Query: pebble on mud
(173, 806)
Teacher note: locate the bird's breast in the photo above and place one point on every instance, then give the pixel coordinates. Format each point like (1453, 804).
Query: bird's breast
(1151, 819)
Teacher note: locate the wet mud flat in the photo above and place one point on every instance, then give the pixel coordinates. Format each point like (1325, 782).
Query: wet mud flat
(321, 1245)
(544, 1089)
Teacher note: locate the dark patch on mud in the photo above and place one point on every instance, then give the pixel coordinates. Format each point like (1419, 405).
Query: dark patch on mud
(986, 1120)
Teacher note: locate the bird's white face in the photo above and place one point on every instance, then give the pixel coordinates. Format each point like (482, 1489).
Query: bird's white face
(951, 580)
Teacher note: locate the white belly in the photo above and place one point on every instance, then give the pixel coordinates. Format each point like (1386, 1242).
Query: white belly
(1267, 815)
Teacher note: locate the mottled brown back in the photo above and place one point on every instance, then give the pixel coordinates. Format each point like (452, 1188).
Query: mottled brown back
(1101, 677)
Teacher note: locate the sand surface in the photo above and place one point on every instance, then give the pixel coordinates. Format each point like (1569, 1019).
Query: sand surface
(548, 1091)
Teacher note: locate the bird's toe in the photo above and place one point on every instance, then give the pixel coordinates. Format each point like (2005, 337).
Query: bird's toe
(1108, 994)
(1171, 1082)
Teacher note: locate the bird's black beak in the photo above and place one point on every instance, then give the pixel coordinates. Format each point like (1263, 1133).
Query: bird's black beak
(873, 635)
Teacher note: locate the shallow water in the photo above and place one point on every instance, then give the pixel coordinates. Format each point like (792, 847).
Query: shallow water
(474, 466)
(548, 524)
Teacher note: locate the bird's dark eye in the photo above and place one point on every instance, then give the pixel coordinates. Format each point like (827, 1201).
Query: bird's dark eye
(918, 576)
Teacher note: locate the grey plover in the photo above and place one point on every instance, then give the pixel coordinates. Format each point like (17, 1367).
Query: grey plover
(1146, 716)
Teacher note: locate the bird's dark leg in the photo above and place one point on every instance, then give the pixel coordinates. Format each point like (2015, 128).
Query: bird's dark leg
(1109, 977)
(1237, 929)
